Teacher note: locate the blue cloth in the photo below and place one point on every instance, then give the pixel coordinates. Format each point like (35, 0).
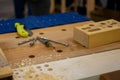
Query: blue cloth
(33, 22)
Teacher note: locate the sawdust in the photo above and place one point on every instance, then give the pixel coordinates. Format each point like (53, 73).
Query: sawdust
(41, 76)
(38, 67)
(31, 70)
(46, 65)
(49, 69)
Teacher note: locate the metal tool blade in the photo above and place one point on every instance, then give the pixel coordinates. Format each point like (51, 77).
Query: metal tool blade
(59, 42)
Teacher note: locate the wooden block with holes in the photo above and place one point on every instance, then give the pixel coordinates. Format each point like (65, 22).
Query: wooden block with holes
(97, 33)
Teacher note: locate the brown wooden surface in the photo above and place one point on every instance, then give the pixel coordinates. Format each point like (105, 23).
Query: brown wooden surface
(5, 72)
(19, 55)
(5, 69)
(111, 76)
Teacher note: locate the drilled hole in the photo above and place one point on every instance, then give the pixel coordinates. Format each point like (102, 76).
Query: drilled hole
(110, 26)
(38, 67)
(46, 65)
(17, 37)
(83, 46)
(37, 75)
(103, 23)
(17, 73)
(30, 76)
(86, 28)
(59, 51)
(19, 76)
(92, 30)
(49, 69)
(113, 23)
(21, 70)
(3, 63)
(64, 30)
(91, 25)
(31, 56)
(41, 33)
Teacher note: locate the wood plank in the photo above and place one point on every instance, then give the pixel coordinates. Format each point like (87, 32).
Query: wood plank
(5, 69)
(19, 55)
(5, 72)
(3, 59)
(88, 67)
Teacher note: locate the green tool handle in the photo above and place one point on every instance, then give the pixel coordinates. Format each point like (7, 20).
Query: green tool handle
(21, 30)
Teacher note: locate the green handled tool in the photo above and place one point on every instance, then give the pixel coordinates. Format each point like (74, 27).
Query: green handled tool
(23, 30)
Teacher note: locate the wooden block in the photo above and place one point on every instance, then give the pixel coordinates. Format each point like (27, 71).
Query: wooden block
(5, 72)
(97, 34)
(5, 69)
(3, 59)
(111, 76)
(7, 78)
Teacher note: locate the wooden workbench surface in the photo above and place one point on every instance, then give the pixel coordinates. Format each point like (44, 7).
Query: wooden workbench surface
(23, 55)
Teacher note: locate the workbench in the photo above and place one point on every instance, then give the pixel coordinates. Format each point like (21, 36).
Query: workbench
(24, 55)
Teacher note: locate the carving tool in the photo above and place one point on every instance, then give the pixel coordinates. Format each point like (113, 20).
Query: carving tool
(26, 41)
(33, 42)
(59, 42)
(46, 42)
(23, 30)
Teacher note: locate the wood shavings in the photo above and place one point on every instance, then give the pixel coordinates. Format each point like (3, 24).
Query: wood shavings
(38, 67)
(46, 65)
(45, 76)
(49, 69)
(23, 63)
(34, 73)
(41, 76)
(31, 70)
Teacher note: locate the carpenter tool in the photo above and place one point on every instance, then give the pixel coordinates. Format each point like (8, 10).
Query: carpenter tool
(23, 30)
(46, 42)
(33, 42)
(26, 41)
(59, 42)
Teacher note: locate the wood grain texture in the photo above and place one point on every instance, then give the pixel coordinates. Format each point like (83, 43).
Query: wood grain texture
(5, 72)
(98, 34)
(5, 69)
(3, 59)
(19, 55)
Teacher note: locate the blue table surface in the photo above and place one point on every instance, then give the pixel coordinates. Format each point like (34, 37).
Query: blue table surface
(34, 22)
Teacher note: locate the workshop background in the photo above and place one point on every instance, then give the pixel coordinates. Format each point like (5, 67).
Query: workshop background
(100, 12)
(6, 9)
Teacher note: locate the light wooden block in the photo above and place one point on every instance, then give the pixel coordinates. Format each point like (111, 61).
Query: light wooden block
(97, 34)
(5, 72)
(5, 69)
